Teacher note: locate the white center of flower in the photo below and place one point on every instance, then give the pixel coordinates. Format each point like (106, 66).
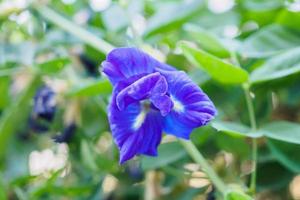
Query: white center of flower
(178, 107)
(139, 120)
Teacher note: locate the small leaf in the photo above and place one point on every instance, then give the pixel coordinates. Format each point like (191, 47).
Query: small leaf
(283, 131)
(207, 40)
(277, 67)
(167, 153)
(266, 178)
(289, 19)
(22, 53)
(88, 156)
(16, 113)
(71, 27)
(286, 153)
(4, 88)
(237, 195)
(2, 189)
(269, 41)
(262, 5)
(235, 145)
(114, 18)
(171, 15)
(218, 69)
(235, 129)
(91, 88)
(53, 66)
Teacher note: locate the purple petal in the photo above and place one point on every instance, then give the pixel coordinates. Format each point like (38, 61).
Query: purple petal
(134, 131)
(152, 133)
(192, 107)
(162, 103)
(122, 63)
(152, 86)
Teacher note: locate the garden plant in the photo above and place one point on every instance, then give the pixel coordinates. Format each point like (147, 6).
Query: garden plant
(150, 99)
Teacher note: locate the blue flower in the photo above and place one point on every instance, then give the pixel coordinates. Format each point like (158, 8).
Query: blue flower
(149, 98)
(43, 111)
(67, 134)
(44, 106)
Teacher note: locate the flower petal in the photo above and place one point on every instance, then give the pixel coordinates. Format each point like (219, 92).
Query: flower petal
(135, 131)
(122, 63)
(192, 107)
(152, 133)
(152, 86)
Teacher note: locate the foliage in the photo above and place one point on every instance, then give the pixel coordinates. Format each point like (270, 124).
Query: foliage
(245, 57)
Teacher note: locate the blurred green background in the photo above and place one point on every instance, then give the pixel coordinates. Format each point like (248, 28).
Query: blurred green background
(231, 46)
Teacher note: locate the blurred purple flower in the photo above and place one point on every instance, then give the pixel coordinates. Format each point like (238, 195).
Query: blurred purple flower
(67, 134)
(44, 106)
(43, 111)
(149, 98)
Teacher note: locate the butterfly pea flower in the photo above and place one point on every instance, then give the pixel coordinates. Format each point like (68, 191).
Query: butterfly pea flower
(149, 98)
(43, 111)
(66, 135)
(44, 106)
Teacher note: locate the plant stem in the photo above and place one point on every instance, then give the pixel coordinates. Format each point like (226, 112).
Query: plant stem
(254, 140)
(250, 107)
(74, 29)
(198, 158)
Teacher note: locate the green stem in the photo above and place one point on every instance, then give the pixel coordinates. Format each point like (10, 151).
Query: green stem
(250, 107)
(74, 29)
(198, 158)
(254, 141)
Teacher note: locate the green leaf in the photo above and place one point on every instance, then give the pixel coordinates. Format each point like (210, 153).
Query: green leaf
(266, 178)
(279, 66)
(65, 191)
(105, 164)
(2, 188)
(283, 131)
(237, 195)
(22, 53)
(218, 69)
(21, 195)
(269, 41)
(207, 40)
(7, 11)
(235, 129)
(115, 18)
(91, 88)
(171, 16)
(289, 19)
(219, 22)
(88, 156)
(237, 146)
(90, 125)
(53, 66)
(12, 116)
(262, 5)
(167, 153)
(76, 30)
(4, 88)
(286, 153)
